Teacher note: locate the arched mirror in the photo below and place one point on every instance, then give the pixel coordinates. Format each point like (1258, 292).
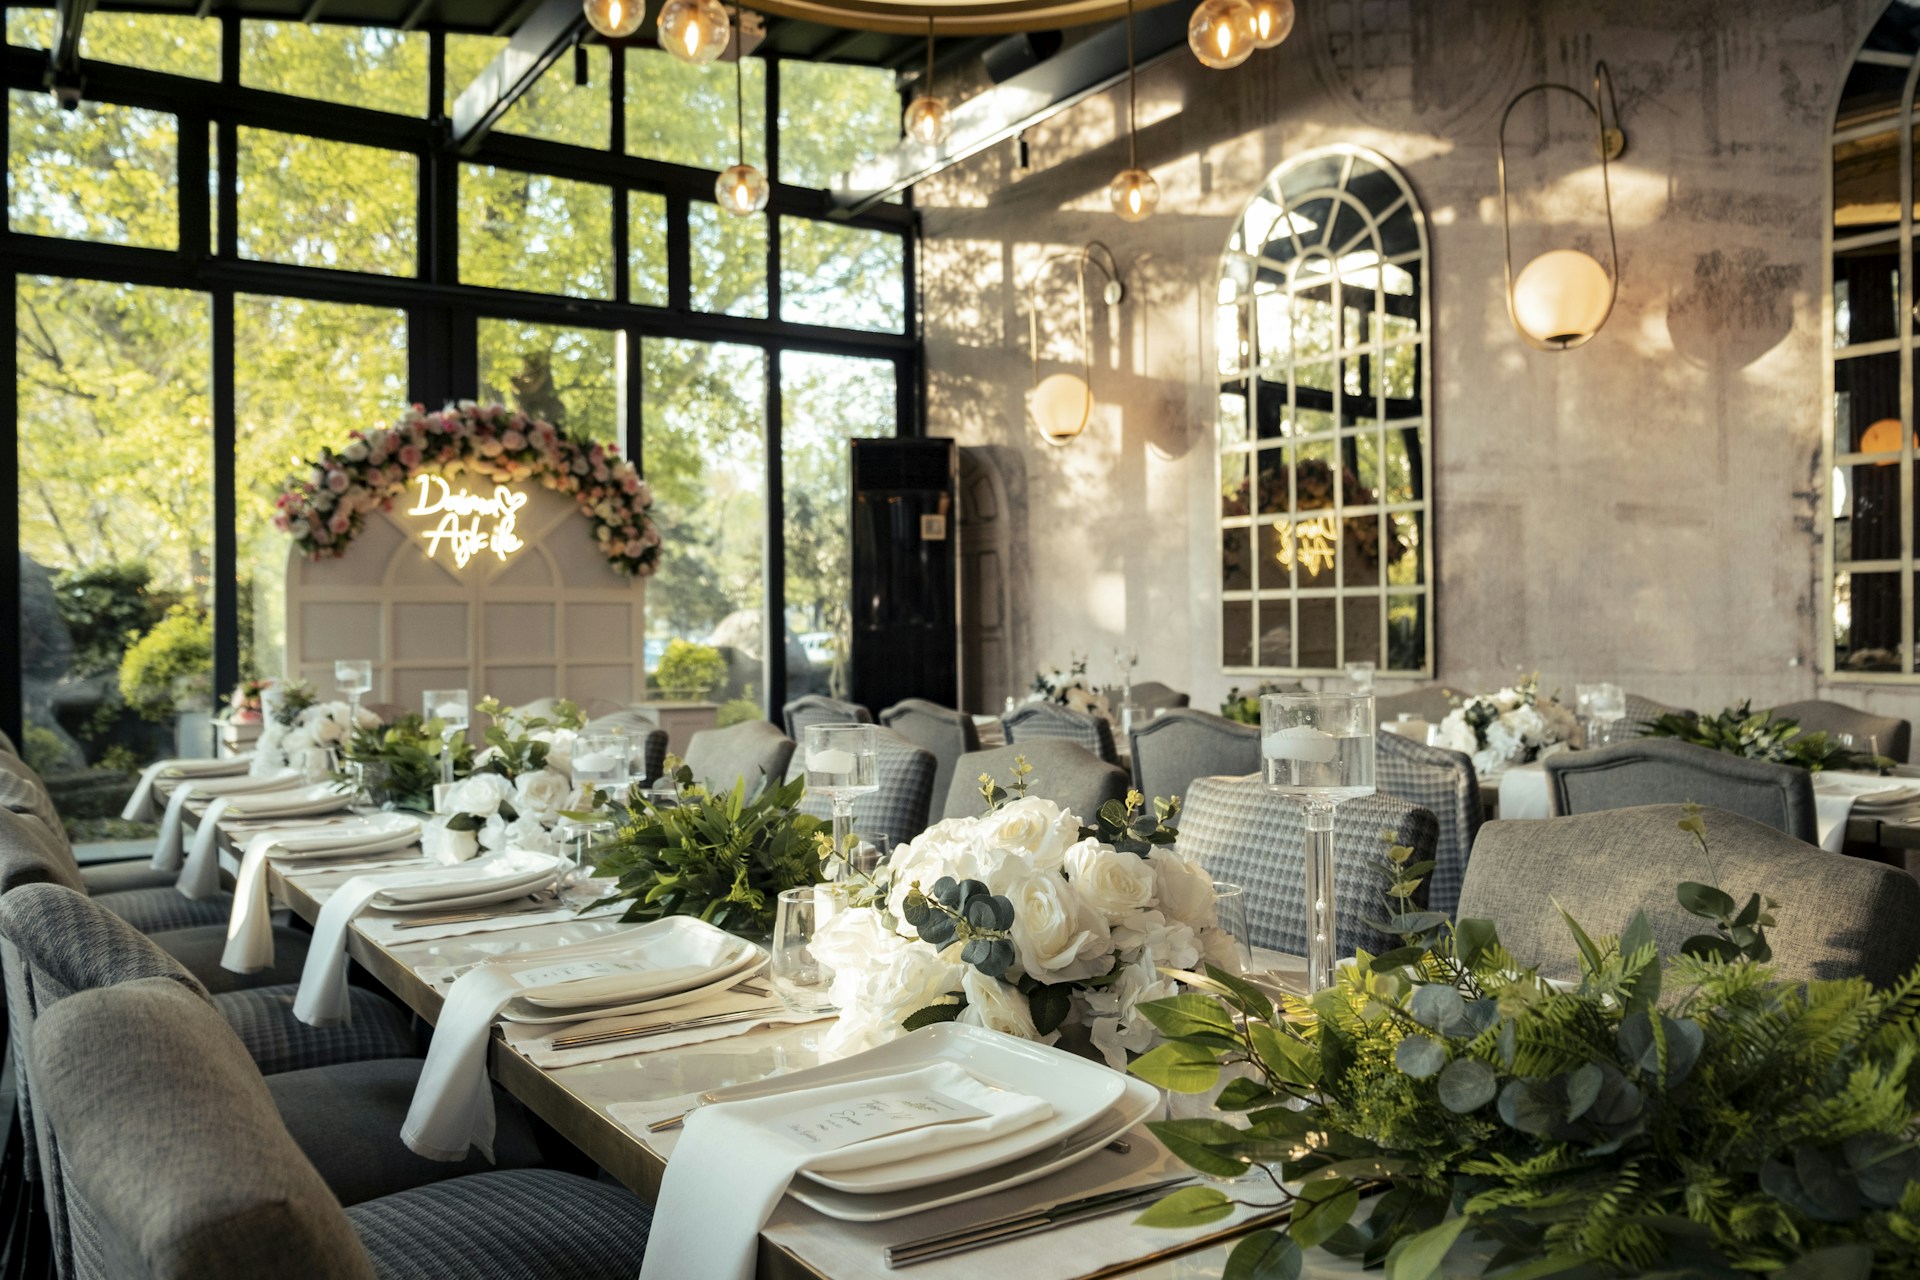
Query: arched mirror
(1324, 433)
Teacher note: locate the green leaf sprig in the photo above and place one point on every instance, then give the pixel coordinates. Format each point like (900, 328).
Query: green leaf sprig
(1760, 735)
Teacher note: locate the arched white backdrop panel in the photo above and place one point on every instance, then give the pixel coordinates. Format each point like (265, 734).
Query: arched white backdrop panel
(551, 619)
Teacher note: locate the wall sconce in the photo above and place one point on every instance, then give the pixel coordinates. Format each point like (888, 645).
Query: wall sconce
(1061, 404)
(1563, 297)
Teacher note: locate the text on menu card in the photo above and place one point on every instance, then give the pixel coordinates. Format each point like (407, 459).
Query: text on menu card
(488, 519)
(833, 1125)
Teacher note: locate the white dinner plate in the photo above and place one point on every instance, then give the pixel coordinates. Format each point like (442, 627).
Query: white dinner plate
(505, 893)
(660, 965)
(520, 1011)
(290, 802)
(207, 788)
(469, 879)
(376, 833)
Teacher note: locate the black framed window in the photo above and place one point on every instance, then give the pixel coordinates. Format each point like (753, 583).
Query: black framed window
(209, 281)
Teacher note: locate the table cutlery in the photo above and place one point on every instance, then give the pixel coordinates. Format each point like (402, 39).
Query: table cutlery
(580, 1040)
(538, 902)
(1031, 1222)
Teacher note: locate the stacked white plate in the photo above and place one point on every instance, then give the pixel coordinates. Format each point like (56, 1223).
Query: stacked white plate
(286, 801)
(353, 837)
(660, 965)
(242, 785)
(499, 878)
(1873, 796)
(1092, 1105)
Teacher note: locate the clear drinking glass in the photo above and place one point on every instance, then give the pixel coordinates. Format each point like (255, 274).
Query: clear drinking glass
(799, 978)
(1360, 676)
(600, 761)
(580, 843)
(1230, 915)
(1607, 707)
(842, 763)
(353, 677)
(637, 759)
(1318, 749)
(449, 706)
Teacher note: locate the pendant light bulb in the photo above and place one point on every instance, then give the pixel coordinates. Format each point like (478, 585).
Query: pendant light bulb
(1222, 33)
(1272, 21)
(928, 121)
(1135, 194)
(615, 19)
(742, 190)
(694, 31)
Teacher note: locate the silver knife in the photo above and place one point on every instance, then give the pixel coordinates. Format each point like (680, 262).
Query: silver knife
(1015, 1225)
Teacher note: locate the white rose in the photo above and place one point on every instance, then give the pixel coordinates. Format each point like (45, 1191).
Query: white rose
(446, 846)
(479, 795)
(1118, 1030)
(1057, 934)
(1149, 935)
(356, 451)
(541, 794)
(937, 852)
(1115, 884)
(1222, 950)
(1183, 889)
(895, 980)
(999, 1006)
(1036, 827)
(559, 747)
(1457, 735)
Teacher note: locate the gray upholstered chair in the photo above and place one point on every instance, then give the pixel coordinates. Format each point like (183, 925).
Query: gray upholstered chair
(1064, 772)
(898, 810)
(1838, 916)
(816, 708)
(1171, 750)
(1248, 835)
(23, 791)
(1443, 783)
(1430, 702)
(346, 1114)
(144, 1081)
(1662, 771)
(947, 733)
(1642, 711)
(1150, 696)
(1049, 720)
(1817, 715)
(752, 749)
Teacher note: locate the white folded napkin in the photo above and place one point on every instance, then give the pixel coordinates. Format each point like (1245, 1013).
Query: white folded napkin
(250, 930)
(167, 849)
(535, 1042)
(140, 807)
(200, 877)
(322, 998)
(735, 1159)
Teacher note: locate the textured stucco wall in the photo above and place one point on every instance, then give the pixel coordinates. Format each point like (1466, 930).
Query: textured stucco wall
(1641, 509)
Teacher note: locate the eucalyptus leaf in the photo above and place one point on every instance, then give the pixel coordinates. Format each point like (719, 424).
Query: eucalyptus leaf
(1705, 900)
(1440, 1008)
(1420, 1056)
(1466, 1085)
(1834, 1262)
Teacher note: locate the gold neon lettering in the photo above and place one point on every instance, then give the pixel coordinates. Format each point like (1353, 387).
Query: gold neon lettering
(1312, 543)
(465, 541)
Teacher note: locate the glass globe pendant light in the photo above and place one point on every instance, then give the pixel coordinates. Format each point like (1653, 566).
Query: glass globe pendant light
(1222, 33)
(1133, 192)
(615, 19)
(742, 190)
(694, 31)
(1272, 22)
(928, 120)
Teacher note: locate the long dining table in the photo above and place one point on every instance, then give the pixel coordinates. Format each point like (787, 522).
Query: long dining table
(602, 1107)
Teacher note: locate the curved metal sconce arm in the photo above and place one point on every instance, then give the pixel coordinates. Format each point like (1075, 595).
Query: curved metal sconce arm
(1111, 294)
(1612, 143)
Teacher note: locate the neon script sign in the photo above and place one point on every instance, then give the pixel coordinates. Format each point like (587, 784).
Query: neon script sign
(1312, 544)
(467, 540)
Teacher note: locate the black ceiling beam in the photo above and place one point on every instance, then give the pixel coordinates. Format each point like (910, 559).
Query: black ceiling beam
(312, 15)
(1071, 76)
(416, 15)
(63, 70)
(548, 32)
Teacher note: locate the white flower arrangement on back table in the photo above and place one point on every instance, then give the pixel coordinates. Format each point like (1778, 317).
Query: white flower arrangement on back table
(1509, 727)
(299, 733)
(1024, 922)
(519, 788)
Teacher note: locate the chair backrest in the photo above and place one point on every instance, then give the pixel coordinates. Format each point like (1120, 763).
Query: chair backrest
(816, 708)
(1171, 750)
(1430, 702)
(752, 749)
(1817, 715)
(1064, 772)
(1662, 771)
(1445, 784)
(1150, 695)
(30, 853)
(25, 791)
(898, 810)
(1838, 916)
(1248, 835)
(178, 1161)
(387, 711)
(1049, 720)
(6, 744)
(1642, 711)
(947, 733)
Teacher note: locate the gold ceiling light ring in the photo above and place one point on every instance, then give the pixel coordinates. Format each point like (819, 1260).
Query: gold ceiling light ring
(1562, 298)
(955, 17)
(1061, 404)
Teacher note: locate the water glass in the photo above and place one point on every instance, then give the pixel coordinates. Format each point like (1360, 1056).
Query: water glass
(368, 778)
(449, 706)
(1360, 676)
(1230, 916)
(637, 773)
(1867, 744)
(1318, 749)
(799, 978)
(600, 760)
(353, 677)
(842, 764)
(580, 843)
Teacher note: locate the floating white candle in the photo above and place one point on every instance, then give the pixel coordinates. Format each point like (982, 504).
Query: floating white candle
(450, 711)
(1300, 742)
(593, 762)
(830, 761)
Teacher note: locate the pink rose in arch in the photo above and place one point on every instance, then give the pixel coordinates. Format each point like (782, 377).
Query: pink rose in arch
(339, 523)
(514, 440)
(410, 457)
(631, 483)
(282, 523)
(337, 481)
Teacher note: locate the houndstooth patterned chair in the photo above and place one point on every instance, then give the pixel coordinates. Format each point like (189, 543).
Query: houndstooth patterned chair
(1046, 720)
(947, 733)
(1251, 836)
(898, 810)
(1641, 713)
(1443, 783)
(816, 709)
(142, 1077)
(1170, 751)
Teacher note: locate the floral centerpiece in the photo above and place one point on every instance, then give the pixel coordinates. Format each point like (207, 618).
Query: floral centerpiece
(518, 788)
(244, 704)
(407, 753)
(1687, 1116)
(299, 733)
(325, 506)
(1069, 688)
(1022, 921)
(1760, 735)
(1509, 727)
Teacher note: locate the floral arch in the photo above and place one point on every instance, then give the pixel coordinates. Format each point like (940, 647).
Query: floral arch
(325, 507)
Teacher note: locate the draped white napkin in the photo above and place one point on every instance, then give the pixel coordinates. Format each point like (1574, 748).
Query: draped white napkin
(168, 848)
(140, 807)
(250, 930)
(200, 877)
(322, 998)
(734, 1160)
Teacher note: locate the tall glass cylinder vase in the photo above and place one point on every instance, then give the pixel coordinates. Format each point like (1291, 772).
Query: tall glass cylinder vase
(842, 763)
(1318, 749)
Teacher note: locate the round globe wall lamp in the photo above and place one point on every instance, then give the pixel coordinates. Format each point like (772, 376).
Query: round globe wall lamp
(1561, 299)
(1061, 404)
